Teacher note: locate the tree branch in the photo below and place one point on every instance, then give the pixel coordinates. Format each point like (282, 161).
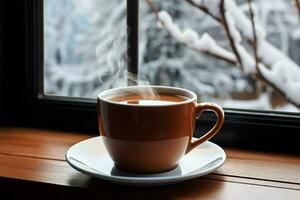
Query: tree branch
(228, 33)
(205, 10)
(153, 8)
(206, 52)
(230, 61)
(254, 43)
(297, 3)
(254, 46)
(262, 78)
(251, 40)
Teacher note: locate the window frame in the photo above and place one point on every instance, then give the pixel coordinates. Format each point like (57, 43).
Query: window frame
(26, 105)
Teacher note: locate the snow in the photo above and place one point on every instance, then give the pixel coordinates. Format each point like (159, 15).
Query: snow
(71, 39)
(167, 21)
(296, 34)
(278, 62)
(190, 38)
(231, 26)
(266, 51)
(242, 22)
(287, 108)
(85, 48)
(261, 103)
(207, 43)
(165, 18)
(247, 60)
(284, 73)
(187, 36)
(282, 77)
(241, 85)
(270, 54)
(203, 87)
(248, 63)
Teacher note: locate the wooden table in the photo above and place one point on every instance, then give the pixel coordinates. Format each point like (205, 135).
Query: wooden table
(32, 163)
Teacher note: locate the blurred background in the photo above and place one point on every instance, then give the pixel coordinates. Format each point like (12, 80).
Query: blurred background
(85, 50)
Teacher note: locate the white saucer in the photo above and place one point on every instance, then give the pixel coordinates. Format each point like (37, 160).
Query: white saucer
(90, 157)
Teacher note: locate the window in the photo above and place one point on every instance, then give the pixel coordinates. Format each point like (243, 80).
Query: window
(85, 50)
(84, 45)
(28, 103)
(208, 47)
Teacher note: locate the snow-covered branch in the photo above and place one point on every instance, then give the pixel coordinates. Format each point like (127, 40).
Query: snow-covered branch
(254, 43)
(270, 56)
(264, 51)
(232, 35)
(190, 38)
(223, 11)
(205, 44)
(208, 7)
(283, 79)
(237, 26)
(277, 77)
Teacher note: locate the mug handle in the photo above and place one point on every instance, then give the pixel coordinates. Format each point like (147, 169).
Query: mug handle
(220, 120)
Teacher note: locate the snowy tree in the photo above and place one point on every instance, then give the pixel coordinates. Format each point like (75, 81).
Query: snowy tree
(74, 30)
(185, 44)
(269, 64)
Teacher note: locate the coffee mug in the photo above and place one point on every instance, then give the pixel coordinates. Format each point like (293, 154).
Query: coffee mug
(148, 129)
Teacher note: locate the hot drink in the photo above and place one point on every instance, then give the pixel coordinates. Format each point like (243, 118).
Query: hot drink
(150, 133)
(161, 99)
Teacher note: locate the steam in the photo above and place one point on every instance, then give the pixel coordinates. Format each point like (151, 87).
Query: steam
(113, 60)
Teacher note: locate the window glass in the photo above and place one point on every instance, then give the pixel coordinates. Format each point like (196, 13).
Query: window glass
(84, 43)
(191, 44)
(187, 47)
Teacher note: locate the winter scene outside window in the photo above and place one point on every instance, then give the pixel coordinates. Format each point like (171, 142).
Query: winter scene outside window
(238, 53)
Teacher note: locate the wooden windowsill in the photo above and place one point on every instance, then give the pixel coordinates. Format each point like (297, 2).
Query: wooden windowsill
(32, 160)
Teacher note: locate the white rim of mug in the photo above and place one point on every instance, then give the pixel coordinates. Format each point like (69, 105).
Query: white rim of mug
(192, 97)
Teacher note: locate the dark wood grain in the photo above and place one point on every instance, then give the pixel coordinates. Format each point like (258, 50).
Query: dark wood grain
(259, 169)
(38, 143)
(258, 155)
(241, 163)
(36, 158)
(58, 172)
(253, 181)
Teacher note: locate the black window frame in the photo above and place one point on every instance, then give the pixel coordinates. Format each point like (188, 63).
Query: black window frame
(24, 104)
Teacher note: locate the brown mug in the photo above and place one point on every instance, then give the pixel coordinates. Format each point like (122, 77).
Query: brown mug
(151, 138)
